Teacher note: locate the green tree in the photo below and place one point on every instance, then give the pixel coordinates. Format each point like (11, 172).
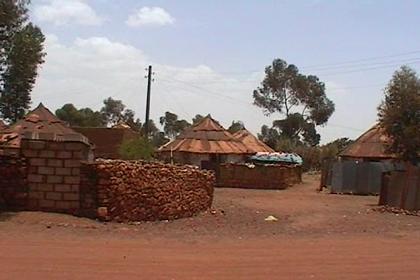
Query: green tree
(21, 52)
(84, 117)
(139, 148)
(399, 114)
(157, 137)
(114, 112)
(197, 119)
(172, 126)
(236, 126)
(300, 98)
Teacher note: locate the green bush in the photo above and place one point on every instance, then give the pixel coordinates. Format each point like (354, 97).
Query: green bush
(139, 148)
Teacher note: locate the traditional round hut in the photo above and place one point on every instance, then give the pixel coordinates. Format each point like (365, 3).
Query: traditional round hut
(205, 144)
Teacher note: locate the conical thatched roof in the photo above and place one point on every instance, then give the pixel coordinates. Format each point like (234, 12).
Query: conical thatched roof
(206, 137)
(251, 142)
(39, 124)
(370, 144)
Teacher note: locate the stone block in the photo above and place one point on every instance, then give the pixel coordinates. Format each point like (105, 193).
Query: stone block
(63, 188)
(71, 196)
(71, 163)
(54, 179)
(64, 154)
(53, 196)
(75, 188)
(30, 153)
(75, 171)
(74, 146)
(46, 170)
(63, 171)
(55, 162)
(35, 178)
(44, 187)
(55, 146)
(37, 162)
(47, 154)
(71, 179)
(46, 203)
(36, 195)
(36, 145)
(63, 205)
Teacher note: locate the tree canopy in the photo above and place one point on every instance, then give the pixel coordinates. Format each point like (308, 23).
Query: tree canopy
(21, 52)
(236, 126)
(299, 98)
(172, 126)
(399, 114)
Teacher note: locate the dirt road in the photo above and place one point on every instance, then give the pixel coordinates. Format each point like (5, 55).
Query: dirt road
(317, 236)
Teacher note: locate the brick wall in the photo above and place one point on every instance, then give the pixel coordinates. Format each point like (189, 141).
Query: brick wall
(258, 177)
(53, 174)
(13, 188)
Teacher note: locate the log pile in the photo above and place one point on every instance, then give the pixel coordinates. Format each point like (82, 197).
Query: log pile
(142, 191)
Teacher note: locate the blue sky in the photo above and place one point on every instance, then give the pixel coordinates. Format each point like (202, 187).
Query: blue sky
(209, 55)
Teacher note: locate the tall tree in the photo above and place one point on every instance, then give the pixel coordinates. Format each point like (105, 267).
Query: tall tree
(172, 126)
(114, 111)
(236, 126)
(300, 98)
(399, 114)
(84, 117)
(21, 52)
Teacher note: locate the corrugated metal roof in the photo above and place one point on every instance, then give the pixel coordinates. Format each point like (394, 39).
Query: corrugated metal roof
(252, 142)
(39, 124)
(107, 140)
(208, 137)
(370, 144)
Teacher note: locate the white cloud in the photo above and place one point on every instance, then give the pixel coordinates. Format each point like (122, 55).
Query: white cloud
(62, 12)
(150, 16)
(91, 69)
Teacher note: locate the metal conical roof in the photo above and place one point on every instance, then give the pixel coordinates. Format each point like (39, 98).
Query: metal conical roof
(252, 142)
(207, 136)
(39, 124)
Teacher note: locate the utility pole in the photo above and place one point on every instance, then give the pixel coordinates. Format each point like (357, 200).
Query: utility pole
(149, 85)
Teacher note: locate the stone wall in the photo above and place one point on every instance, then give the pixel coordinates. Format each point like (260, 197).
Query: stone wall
(258, 176)
(13, 188)
(139, 191)
(53, 174)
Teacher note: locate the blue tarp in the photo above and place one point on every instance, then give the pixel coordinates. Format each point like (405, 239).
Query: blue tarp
(291, 158)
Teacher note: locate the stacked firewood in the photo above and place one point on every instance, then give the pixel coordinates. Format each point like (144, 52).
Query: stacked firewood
(142, 191)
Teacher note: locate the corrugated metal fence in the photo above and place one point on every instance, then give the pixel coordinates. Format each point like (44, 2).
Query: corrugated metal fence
(402, 189)
(354, 177)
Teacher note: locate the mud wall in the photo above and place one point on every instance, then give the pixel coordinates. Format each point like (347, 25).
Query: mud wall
(258, 176)
(139, 191)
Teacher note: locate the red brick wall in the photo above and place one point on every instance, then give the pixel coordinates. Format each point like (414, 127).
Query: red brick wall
(258, 177)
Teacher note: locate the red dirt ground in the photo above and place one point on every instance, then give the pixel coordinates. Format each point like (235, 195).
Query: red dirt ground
(317, 236)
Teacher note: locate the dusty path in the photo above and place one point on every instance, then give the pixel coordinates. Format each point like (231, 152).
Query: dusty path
(359, 258)
(317, 236)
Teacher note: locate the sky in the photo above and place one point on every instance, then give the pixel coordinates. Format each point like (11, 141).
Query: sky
(209, 56)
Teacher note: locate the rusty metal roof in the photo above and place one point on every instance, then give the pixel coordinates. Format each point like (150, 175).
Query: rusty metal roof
(2, 125)
(252, 142)
(370, 144)
(206, 137)
(107, 140)
(39, 124)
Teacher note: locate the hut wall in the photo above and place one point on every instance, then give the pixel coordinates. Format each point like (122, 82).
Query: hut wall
(258, 177)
